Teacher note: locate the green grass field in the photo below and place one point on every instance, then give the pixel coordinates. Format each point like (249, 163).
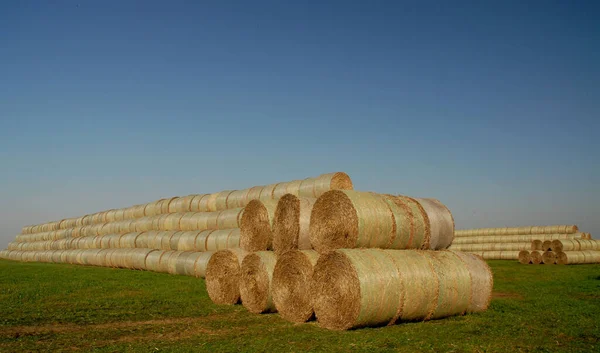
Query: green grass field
(57, 307)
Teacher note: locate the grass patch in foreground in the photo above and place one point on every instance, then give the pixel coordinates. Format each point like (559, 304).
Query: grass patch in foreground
(58, 307)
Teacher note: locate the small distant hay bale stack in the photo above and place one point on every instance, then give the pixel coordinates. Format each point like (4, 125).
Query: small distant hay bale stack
(292, 276)
(223, 276)
(555, 229)
(291, 223)
(410, 285)
(256, 225)
(578, 257)
(255, 286)
(524, 257)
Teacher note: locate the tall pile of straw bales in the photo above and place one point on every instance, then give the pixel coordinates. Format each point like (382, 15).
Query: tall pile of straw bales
(350, 259)
(530, 245)
(312, 248)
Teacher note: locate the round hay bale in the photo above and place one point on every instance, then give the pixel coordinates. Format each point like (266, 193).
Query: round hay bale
(173, 261)
(195, 202)
(255, 285)
(549, 257)
(256, 225)
(536, 257)
(536, 244)
(218, 239)
(189, 221)
(350, 219)
(221, 200)
(524, 257)
(185, 261)
(557, 245)
(292, 275)
(291, 223)
(211, 202)
(143, 224)
(546, 245)
(201, 262)
(174, 240)
(347, 295)
(172, 221)
(482, 281)
(223, 276)
(331, 181)
(187, 241)
(164, 261)
(233, 240)
(228, 219)
(181, 204)
(253, 194)
(153, 260)
(237, 198)
(286, 188)
(267, 192)
(441, 223)
(128, 240)
(142, 240)
(454, 279)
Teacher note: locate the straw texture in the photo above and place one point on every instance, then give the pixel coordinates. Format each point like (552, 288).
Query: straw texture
(578, 257)
(256, 225)
(371, 287)
(441, 223)
(255, 286)
(524, 257)
(291, 223)
(223, 276)
(549, 257)
(292, 276)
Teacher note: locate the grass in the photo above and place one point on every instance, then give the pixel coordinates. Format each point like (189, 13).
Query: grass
(58, 307)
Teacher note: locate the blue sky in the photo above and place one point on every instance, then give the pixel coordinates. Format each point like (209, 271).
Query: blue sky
(491, 107)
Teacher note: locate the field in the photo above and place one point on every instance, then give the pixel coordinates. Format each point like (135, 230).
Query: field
(57, 307)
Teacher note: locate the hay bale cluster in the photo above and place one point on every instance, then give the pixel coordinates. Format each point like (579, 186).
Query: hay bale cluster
(312, 248)
(559, 244)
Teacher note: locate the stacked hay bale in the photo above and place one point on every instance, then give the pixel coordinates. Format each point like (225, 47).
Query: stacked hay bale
(374, 244)
(508, 243)
(181, 232)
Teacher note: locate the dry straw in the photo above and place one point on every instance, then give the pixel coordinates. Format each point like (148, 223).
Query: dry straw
(578, 257)
(524, 257)
(536, 244)
(371, 287)
(353, 219)
(291, 223)
(292, 276)
(223, 276)
(546, 245)
(575, 245)
(441, 223)
(256, 225)
(255, 286)
(536, 257)
(549, 257)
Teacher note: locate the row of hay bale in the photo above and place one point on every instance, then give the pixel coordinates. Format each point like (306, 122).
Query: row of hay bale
(206, 240)
(554, 229)
(507, 243)
(310, 187)
(189, 263)
(563, 252)
(346, 219)
(185, 221)
(349, 288)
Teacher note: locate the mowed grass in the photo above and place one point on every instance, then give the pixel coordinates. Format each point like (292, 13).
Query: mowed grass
(58, 307)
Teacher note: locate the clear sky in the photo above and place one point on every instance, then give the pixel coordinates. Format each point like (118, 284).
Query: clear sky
(492, 107)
